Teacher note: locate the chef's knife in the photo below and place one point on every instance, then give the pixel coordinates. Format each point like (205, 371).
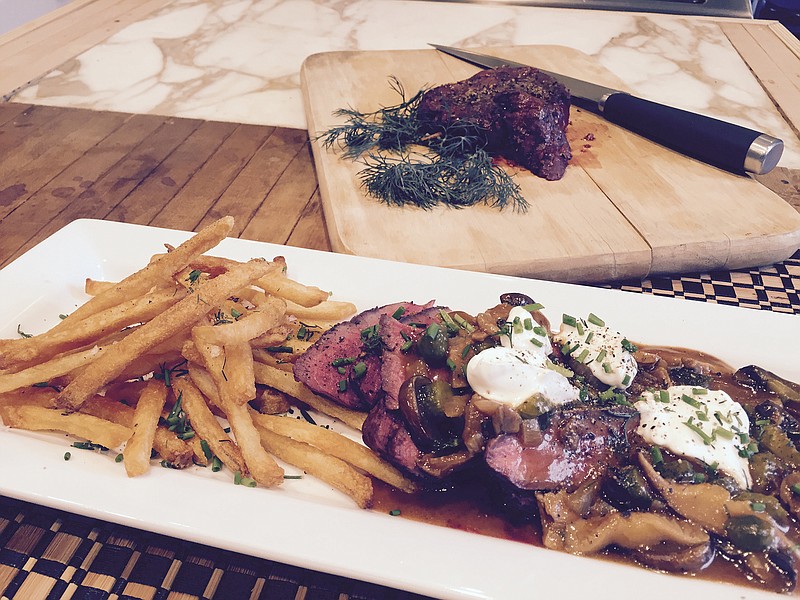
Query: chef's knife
(719, 143)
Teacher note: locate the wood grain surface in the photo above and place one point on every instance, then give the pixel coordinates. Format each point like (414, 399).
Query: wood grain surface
(626, 207)
(62, 164)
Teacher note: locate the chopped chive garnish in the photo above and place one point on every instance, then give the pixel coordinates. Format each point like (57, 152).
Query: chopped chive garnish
(292, 476)
(595, 320)
(216, 464)
(579, 327)
(339, 362)
(589, 337)
(395, 512)
(699, 391)
(341, 370)
(432, 331)
(539, 330)
(537, 343)
(399, 312)
(601, 356)
(691, 401)
(607, 367)
(466, 350)
(533, 307)
(663, 396)
(118, 458)
(206, 449)
(342, 385)
(237, 478)
(655, 452)
(406, 345)
(307, 416)
(569, 320)
(450, 364)
(628, 346)
(279, 349)
(68, 455)
(795, 487)
(359, 370)
(758, 506)
(707, 439)
(528, 324)
(626, 380)
(726, 434)
(583, 355)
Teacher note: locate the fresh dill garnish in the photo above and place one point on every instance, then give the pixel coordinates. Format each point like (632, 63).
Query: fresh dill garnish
(449, 166)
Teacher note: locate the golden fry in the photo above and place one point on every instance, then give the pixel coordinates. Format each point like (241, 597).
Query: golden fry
(284, 381)
(76, 333)
(330, 310)
(88, 427)
(303, 295)
(253, 324)
(279, 360)
(337, 445)
(329, 469)
(170, 448)
(206, 426)
(158, 270)
(145, 423)
(46, 371)
(181, 315)
(260, 464)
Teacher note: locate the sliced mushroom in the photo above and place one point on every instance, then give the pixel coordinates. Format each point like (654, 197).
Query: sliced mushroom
(565, 530)
(674, 558)
(702, 503)
(790, 492)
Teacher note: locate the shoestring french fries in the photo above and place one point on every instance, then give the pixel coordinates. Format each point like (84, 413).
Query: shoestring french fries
(179, 363)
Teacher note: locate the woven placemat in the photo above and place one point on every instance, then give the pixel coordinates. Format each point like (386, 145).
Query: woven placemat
(51, 555)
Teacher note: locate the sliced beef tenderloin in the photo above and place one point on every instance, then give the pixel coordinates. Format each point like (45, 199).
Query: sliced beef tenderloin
(344, 364)
(385, 433)
(522, 111)
(577, 445)
(395, 333)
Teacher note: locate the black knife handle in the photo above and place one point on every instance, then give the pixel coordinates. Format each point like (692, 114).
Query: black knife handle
(719, 143)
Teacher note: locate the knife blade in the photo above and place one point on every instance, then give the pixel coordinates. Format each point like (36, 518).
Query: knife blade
(719, 143)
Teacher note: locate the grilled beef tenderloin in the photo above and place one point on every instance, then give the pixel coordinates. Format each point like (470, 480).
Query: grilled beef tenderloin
(522, 112)
(333, 358)
(576, 445)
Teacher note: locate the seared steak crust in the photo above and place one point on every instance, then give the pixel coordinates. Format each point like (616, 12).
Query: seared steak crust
(523, 112)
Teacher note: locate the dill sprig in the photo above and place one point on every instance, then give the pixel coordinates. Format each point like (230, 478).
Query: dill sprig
(453, 168)
(426, 180)
(391, 128)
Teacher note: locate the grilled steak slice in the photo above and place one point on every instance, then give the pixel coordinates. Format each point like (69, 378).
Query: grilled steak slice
(523, 113)
(577, 445)
(394, 334)
(385, 432)
(329, 366)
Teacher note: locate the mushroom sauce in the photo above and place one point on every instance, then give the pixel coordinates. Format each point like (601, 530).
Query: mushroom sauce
(721, 502)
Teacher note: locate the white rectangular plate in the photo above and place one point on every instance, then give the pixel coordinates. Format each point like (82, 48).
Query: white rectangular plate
(306, 523)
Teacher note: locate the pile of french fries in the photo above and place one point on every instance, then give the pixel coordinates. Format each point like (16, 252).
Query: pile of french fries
(188, 361)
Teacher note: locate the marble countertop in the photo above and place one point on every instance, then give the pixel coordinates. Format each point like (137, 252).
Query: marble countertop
(239, 60)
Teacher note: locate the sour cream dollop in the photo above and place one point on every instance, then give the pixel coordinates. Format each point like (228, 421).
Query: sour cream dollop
(707, 425)
(599, 348)
(516, 371)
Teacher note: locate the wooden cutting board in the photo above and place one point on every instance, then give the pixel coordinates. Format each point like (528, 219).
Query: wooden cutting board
(626, 207)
